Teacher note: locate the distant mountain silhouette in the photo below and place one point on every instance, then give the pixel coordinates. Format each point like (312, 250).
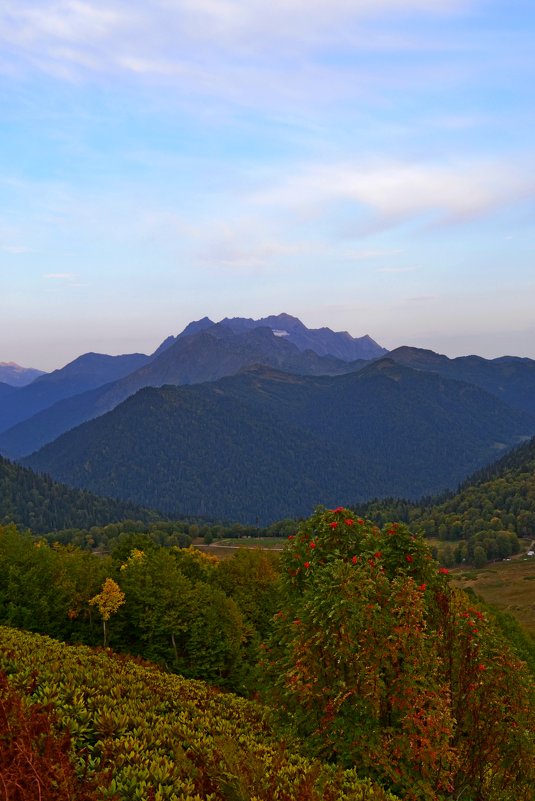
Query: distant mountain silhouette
(322, 341)
(93, 370)
(86, 372)
(508, 378)
(17, 376)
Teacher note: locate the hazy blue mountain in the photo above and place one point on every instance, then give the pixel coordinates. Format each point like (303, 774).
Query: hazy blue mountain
(323, 341)
(17, 376)
(194, 327)
(31, 434)
(86, 372)
(264, 444)
(6, 390)
(509, 378)
(198, 357)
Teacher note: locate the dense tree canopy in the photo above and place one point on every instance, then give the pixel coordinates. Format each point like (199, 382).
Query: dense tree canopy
(36, 501)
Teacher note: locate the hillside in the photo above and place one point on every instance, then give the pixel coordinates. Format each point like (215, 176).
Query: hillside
(500, 497)
(17, 376)
(36, 502)
(86, 372)
(195, 453)
(483, 520)
(265, 445)
(369, 660)
(138, 733)
(509, 379)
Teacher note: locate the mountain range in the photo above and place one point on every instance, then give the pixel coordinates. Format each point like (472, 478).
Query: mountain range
(262, 419)
(204, 351)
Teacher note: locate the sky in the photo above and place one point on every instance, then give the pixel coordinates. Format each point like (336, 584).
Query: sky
(368, 165)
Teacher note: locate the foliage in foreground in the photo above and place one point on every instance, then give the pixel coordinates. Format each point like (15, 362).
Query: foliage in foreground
(144, 735)
(34, 762)
(384, 666)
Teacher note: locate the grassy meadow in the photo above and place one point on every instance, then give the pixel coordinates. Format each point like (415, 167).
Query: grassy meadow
(508, 585)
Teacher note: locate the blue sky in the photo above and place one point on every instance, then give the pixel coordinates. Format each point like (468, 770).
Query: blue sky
(363, 164)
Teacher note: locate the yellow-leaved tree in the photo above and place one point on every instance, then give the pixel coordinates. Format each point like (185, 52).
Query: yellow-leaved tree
(108, 601)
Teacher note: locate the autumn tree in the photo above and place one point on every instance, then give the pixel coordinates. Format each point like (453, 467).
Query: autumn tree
(108, 601)
(381, 664)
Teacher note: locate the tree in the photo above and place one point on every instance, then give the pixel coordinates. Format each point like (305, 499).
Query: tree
(383, 665)
(108, 601)
(158, 604)
(480, 556)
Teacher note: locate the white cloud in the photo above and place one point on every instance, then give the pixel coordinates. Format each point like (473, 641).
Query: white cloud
(63, 20)
(242, 245)
(399, 191)
(60, 276)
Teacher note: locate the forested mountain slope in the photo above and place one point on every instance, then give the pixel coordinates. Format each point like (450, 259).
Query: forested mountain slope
(268, 445)
(38, 502)
(482, 519)
(510, 379)
(500, 497)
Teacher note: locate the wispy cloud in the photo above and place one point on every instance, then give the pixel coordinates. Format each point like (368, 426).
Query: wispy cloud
(400, 191)
(244, 245)
(422, 299)
(163, 38)
(60, 276)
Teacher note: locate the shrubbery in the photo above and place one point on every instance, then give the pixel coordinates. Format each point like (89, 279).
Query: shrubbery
(143, 735)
